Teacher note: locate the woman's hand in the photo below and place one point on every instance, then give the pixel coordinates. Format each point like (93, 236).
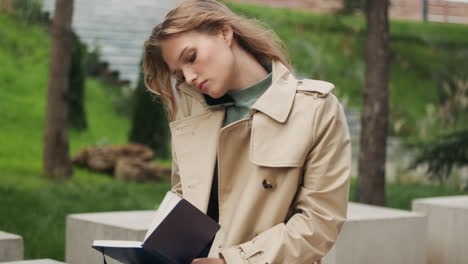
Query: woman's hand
(208, 261)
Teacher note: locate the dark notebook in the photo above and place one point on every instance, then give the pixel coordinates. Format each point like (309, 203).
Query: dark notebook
(178, 234)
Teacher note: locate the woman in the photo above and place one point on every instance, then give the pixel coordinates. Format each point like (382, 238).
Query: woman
(264, 154)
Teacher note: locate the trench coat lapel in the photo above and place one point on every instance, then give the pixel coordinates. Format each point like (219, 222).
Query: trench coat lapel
(277, 100)
(196, 140)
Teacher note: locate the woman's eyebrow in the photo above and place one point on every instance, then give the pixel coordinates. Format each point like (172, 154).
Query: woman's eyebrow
(182, 53)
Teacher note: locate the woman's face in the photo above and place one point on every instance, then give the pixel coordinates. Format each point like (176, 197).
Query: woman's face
(205, 61)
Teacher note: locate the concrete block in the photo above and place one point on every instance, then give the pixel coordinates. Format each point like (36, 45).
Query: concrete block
(381, 235)
(447, 228)
(82, 229)
(35, 261)
(11, 247)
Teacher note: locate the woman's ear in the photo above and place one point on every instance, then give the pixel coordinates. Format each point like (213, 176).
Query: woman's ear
(227, 34)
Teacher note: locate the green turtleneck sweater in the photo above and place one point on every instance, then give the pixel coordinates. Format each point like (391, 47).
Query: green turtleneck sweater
(243, 99)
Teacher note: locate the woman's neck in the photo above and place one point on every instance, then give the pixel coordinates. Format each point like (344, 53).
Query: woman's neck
(247, 70)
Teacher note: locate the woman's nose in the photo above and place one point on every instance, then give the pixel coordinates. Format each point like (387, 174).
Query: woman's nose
(191, 77)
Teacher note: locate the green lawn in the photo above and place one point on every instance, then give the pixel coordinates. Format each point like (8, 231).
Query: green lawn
(36, 208)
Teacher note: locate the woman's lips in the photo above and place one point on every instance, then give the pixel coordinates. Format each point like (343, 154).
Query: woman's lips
(202, 86)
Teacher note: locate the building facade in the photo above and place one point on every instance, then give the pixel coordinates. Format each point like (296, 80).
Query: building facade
(451, 11)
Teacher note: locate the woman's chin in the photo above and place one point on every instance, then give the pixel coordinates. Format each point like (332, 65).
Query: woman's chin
(214, 95)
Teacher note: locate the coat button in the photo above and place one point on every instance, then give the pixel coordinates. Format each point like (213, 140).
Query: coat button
(267, 184)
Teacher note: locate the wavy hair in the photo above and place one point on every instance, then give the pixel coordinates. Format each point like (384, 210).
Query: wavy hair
(205, 16)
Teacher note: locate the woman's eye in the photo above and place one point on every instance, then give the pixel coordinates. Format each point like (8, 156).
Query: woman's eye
(193, 57)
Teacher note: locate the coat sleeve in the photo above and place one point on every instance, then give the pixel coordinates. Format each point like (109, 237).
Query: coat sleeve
(175, 176)
(182, 111)
(321, 201)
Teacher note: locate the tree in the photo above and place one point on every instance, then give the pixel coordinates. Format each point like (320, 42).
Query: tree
(76, 107)
(56, 160)
(443, 153)
(149, 121)
(374, 118)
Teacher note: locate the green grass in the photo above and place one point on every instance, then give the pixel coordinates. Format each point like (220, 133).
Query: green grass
(38, 213)
(330, 47)
(36, 208)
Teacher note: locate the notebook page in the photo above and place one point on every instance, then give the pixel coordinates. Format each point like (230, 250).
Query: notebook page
(117, 243)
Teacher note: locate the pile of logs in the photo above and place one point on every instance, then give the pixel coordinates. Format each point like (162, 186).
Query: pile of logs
(7, 5)
(131, 162)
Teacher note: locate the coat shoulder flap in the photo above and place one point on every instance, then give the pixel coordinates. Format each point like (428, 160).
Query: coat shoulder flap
(287, 144)
(317, 88)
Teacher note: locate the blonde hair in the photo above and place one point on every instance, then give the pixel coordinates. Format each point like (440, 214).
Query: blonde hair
(206, 16)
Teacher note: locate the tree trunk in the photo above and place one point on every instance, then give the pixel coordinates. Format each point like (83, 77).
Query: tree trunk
(374, 119)
(57, 164)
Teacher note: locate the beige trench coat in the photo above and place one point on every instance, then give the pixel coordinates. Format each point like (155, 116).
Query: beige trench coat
(283, 171)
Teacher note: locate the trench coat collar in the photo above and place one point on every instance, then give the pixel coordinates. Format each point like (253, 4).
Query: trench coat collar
(276, 102)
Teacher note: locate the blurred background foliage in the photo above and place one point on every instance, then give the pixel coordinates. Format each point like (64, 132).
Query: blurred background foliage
(30, 11)
(76, 109)
(149, 121)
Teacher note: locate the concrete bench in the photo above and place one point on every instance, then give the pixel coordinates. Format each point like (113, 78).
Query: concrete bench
(82, 229)
(35, 261)
(381, 235)
(11, 247)
(447, 228)
(370, 235)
